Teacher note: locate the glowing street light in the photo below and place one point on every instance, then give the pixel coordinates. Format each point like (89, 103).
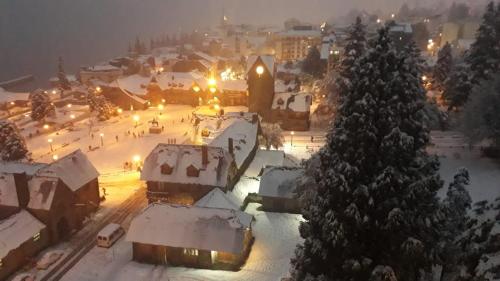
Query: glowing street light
(98, 89)
(55, 157)
(379, 20)
(136, 119)
(196, 89)
(160, 107)
(46, 126)
(212, 82)
(54, 92)
(259, 70)
(102, 139)
(69, 105)
(393, 15)
(424, 78)
(119, 110)
(50, 143)
(291, 138)
(72, 116)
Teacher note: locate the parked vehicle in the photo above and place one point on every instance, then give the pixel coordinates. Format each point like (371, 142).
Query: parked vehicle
(109, 235)
(48, 259)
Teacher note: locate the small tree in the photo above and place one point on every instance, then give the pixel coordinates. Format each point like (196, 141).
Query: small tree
(61, 75)
(443, 67)
(12, 144)
(457, 87)
(313, 64)
(41, 106)
(272, 136)
(98, 103)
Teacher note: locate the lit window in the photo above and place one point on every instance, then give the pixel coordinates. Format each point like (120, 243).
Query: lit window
(36, 237)
(190, 252)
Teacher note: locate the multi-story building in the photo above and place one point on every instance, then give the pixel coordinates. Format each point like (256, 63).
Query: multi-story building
(295, 43)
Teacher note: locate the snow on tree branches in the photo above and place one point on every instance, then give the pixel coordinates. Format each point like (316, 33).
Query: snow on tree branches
(443, 67)
(61, 75)
(41, 106)
(374, 203)
(12, 144)
(98, 103)
(272, 136)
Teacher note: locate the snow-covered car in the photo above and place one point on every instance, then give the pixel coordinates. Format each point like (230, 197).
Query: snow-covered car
(48, 259)
(24, 277)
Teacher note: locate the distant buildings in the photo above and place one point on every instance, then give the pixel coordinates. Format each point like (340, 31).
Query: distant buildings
(105, 72)
(294, 44)
(460, 35)
(401, 34)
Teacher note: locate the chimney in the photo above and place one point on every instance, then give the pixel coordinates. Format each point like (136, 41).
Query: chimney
(204, 155)
(255, 118)
(230, 146)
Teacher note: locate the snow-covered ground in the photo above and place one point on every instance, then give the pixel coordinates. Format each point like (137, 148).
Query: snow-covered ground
(275, 238)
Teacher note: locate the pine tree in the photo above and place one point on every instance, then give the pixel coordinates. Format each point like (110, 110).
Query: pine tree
(484, 54)
(61, 75)
(313, 64)
(375, 203)
(457, 87)
(354, 49)
(12, 144)
(41, 106)
(443, 67)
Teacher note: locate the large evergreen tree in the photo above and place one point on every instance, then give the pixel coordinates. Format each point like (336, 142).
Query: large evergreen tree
(41, 106)
(457, 87)
(443, 67)
(99, 104)
(484, 54)
(12, 144)
(374, 210)
(61, 75)
(313, 64)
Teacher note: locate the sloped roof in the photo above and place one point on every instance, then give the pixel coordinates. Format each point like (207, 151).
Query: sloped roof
(267, 60)
(42, 191)
(6, 96)
(280, 181)
(8, 191)
(16, 230)
(135, 84)
(74, 169)
(13, 167)
(217, 199)
(214, 173)
(190, 227)
(298, 102)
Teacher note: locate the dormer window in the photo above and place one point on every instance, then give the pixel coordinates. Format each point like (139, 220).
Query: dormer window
(192, 171)
(166, 169)
(280, 101)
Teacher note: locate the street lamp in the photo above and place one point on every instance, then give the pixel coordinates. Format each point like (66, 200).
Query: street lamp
(259, 70)
(72, 116)
(102, 139)
(46, 126)
(136, 119)
(50, 143)
(291, 138)
(55, 157)
(160, 107)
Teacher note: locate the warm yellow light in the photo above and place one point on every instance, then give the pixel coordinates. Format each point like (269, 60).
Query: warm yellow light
(50, 140)
(213, 90)
(55, 157)
(12, 103)
(161, 69)
(379, 20)
(160, 107)
(424, 78)
(54, 92)
(119, 110)
(98, 89)
(163, 100)
(196, 89)
(393, 15)
(430, 41)
(217, 107)
(292, 133)
(136, 117)
(69, 105)
(212, 82)
(136, 158)
(72, 116)
(101, 134)
(45, 126)
(259, 70)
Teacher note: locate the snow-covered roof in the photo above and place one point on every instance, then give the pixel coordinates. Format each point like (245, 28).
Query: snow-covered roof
(217, 199)
(102, 68)
(6, 96)
(215, 173)
(206, 57)
(401, 27)
(300, 33)
(135, 84)
(191, 227)
(13, 167)
(298, 102)
(42, 191)
(280, 181)
(16, 230)
(281, 87)
(180, 80)
(8, 191)
(267, 60)
(109, 229)
(74, 169)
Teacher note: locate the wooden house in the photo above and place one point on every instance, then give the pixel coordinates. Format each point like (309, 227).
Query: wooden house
(191, 236)
(22, 237)
(185, 173)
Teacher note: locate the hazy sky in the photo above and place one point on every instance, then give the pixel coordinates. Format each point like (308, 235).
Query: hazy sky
(33, 33)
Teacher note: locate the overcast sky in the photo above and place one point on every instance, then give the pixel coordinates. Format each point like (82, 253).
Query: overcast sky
(33, 33)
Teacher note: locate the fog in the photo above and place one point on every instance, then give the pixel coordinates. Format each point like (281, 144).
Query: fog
(33, 33)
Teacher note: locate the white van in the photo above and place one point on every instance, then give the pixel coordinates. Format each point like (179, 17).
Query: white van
(109, 234)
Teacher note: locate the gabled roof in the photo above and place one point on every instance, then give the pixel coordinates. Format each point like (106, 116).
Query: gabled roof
(13, 167)
(214, 173)
(42, 191)
(280, 181)
(267, 60)
(191, 227)
(75, 170)
(217, 199)
(8, 191)
(297, 102)
(6, 96)
(16, 230)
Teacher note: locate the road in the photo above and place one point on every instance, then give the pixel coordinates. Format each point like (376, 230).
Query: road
(86, 239)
